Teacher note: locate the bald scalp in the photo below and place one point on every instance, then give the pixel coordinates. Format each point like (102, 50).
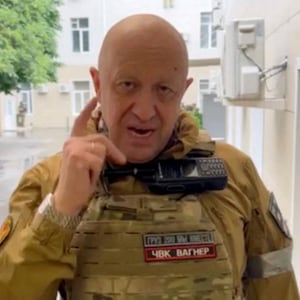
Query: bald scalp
(143, 30)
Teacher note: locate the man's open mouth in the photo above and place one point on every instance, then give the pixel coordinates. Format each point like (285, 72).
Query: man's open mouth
(140, 132)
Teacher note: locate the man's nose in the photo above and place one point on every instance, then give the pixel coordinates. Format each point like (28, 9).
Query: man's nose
(144, 106)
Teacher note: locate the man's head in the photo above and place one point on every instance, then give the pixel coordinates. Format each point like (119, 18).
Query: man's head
(142, 77)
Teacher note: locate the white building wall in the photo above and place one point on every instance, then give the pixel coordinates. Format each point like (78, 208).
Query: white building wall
(185, 16)
(79, 9)
(275, 135)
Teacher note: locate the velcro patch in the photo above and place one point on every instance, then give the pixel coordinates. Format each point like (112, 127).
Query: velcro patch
(179, 246)
(5, 229)
(277, 216)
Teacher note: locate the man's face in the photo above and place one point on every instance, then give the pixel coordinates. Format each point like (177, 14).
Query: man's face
(140, 93)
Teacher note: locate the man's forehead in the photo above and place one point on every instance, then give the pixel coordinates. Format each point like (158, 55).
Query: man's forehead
(161, 63)
(141, 32)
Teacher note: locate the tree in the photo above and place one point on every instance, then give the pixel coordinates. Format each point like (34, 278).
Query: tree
(194, 111)
(28, 48)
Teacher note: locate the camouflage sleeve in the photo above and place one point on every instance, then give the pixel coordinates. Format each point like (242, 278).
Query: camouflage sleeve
(34, 255)
(269, 273)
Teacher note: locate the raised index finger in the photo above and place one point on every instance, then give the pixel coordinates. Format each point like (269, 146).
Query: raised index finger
(80, 123)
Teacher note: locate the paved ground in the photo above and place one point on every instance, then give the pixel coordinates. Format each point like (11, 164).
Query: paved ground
(18, 152)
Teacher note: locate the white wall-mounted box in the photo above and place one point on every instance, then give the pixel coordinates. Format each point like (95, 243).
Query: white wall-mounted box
(243, 59)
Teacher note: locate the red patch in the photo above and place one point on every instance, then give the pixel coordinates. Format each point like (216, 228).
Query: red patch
(181, 252)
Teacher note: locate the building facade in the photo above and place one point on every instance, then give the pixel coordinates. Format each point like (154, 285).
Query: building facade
(84, 24)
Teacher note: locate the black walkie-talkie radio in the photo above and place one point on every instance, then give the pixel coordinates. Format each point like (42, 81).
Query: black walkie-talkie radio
(169, 176)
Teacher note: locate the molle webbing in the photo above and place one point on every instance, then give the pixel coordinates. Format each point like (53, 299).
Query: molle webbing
(111, 261)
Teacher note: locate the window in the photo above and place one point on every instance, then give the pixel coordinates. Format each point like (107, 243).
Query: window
(81, 95)
(168, 3)
(25, 99)
(203, 86)
(208, 35)
(80, 34)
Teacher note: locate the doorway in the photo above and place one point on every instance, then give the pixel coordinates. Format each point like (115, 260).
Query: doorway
(9, 113)
(214, 116)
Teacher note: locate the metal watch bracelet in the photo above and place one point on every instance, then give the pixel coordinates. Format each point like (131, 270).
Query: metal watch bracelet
(47, 209)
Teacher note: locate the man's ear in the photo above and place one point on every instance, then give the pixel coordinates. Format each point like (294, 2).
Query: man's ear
(189, 81)
(96, 80)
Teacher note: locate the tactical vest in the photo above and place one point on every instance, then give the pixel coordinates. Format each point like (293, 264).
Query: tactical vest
(150, 247)
(158, 247)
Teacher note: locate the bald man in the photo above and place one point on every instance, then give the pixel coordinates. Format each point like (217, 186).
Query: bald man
(70, 228)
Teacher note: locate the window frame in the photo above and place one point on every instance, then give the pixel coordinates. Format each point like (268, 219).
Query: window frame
(82, 32)
(81, 93)
(211, 34)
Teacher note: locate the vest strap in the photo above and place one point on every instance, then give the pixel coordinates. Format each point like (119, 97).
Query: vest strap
(269, 264)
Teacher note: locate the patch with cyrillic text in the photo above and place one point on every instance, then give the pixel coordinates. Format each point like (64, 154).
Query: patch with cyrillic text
(278, 217)
(179, 246)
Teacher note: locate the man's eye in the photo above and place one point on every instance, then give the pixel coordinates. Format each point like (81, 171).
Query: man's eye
(126, 85)
(164, 90)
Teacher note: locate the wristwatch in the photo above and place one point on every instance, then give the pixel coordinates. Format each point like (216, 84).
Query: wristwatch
(48, 210)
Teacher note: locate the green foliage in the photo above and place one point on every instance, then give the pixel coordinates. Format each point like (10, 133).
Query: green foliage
(198, 116)
(194, 111)
(27, 42)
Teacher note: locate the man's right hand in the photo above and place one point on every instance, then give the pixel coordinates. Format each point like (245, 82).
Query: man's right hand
(82, 161)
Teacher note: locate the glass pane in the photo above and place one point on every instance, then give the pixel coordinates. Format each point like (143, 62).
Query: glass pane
(74, 23)
(84, 23)
(25, 86)
(204, 84)
(205, 18)
(204, 36)
(82, 85)
(85, 37)
(76, 41)
(24, 97)
(77, 104)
